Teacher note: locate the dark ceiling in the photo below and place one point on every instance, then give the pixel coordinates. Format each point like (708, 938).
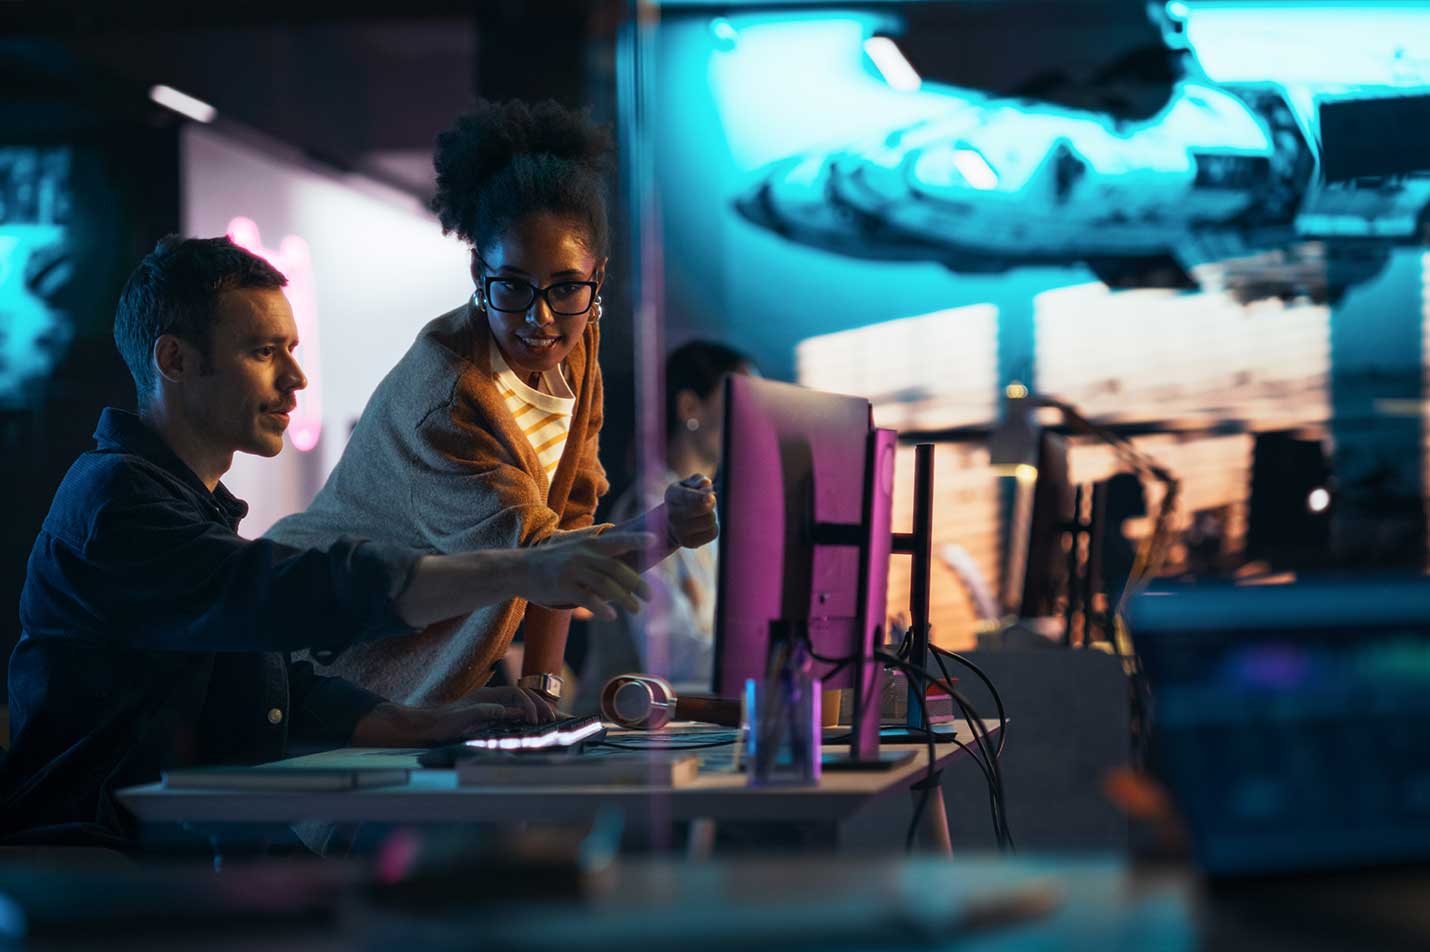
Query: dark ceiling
(364, 86)
(352, 85)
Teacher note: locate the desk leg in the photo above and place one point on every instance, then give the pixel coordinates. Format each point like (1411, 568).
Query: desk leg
(701, 841)
(932, 834)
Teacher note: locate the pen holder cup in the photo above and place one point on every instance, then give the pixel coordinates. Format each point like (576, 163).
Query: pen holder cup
(780, 732)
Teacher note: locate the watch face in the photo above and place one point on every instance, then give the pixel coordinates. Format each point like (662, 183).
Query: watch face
(547, 684)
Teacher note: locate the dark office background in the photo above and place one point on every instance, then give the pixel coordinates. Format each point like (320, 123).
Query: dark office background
(1324, 391)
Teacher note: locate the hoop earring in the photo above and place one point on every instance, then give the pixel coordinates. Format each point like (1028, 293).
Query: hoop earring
(477, 301)
(596, 309)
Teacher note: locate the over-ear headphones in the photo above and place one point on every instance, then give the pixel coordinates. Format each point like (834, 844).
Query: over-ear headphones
(646, 702)
(638, 701)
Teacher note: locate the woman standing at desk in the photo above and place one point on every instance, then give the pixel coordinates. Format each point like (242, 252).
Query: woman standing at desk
(486, 433)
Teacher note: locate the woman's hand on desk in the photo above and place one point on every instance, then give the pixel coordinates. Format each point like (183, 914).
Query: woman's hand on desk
(398, 725)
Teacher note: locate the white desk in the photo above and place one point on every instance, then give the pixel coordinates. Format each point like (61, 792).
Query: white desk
(434, 796)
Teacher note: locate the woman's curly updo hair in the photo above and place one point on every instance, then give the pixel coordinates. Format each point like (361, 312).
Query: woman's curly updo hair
(505, 160)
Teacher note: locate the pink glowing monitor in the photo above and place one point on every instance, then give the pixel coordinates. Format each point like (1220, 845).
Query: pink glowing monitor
(806, 498)
(293, 259)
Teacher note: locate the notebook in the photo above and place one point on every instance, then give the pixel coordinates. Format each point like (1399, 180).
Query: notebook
(282, 778)
(628, 768)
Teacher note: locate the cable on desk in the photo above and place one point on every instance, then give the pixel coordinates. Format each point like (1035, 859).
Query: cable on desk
(987, 682)
(930, 775)
(991, 756)
(987, 762)
(713, 743)
(995, 790)
(932, 778)
(1000, 822)
(994, 772)
(906, 646)
(980, 740)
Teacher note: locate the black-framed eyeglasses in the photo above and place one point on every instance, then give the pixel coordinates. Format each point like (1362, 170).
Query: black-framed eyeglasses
(515, 296)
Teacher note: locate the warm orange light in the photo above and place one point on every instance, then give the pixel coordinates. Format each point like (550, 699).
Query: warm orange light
(1022, 472)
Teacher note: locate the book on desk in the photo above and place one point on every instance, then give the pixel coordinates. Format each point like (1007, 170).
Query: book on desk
(277, 777)
(653, 769)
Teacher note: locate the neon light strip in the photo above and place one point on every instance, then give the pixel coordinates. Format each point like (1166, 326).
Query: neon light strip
(551, 738)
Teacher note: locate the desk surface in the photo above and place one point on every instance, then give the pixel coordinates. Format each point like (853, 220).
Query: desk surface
(433, 795)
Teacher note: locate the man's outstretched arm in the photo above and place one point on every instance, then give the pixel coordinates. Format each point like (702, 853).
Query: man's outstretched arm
(173, 584)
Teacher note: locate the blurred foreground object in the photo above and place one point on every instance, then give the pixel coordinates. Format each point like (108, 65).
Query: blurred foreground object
(1291, 723)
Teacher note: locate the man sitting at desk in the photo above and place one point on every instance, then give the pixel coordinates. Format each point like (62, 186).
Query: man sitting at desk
(154, 636)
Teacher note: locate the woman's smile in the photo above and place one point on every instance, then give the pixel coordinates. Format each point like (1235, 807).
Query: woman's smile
(537, 343)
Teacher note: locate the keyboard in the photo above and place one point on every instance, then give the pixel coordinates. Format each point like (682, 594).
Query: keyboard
(565, 734)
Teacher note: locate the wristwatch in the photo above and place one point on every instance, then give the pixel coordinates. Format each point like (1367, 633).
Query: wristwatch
(547, 685)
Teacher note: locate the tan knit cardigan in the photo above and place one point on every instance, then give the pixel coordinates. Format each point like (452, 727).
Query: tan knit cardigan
(437, 463)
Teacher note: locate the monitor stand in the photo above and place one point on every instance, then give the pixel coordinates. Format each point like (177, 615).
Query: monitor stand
(896, 748)
(840, 761)
(917, 736)
(918, 544)
(844, 760)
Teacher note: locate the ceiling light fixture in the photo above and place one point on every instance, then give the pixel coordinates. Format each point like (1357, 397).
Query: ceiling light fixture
(892, 64)
(182, 103)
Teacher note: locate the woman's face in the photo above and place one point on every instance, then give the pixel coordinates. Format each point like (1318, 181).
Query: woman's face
(538, 251)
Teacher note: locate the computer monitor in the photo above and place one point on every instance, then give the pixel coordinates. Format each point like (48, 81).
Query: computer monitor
(805, 505)
(1284, 526)
(1038, 569)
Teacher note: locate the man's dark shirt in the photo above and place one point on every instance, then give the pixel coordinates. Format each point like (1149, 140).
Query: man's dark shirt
(154, 636)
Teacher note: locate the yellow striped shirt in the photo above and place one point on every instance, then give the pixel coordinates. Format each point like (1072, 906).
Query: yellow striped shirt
(544, 414)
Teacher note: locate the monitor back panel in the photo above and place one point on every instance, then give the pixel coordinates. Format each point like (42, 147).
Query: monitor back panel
(792, 457)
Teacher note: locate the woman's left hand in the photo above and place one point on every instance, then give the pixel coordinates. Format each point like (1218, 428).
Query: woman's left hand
(690, 512)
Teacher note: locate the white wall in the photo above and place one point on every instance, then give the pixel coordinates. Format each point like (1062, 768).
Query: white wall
(380, 270)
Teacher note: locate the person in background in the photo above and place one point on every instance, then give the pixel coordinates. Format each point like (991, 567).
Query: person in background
(154, 636)
(486, 434)
(673, 636)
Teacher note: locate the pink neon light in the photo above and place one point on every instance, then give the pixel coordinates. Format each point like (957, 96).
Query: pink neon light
(294, 261)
